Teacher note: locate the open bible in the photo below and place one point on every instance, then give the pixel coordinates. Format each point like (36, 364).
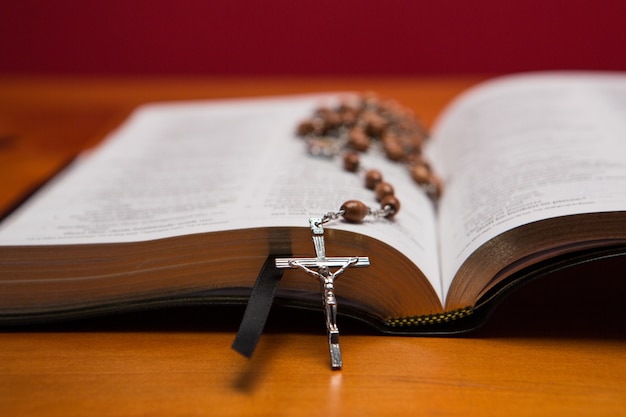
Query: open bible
(184, 203)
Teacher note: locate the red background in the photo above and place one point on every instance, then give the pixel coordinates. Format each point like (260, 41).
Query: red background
(282, 37)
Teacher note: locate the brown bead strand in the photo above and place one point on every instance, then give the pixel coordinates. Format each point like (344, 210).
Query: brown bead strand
(355, 125)
(354, 211)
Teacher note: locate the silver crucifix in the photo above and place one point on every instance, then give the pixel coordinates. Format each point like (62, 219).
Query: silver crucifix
(327, 282)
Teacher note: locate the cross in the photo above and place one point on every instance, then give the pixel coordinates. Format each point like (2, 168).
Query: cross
(327, 282)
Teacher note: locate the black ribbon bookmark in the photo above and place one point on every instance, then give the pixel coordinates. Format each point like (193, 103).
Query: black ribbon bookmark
(258, 308)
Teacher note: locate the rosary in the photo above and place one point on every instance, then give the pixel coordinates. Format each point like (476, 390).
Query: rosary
(351, 128)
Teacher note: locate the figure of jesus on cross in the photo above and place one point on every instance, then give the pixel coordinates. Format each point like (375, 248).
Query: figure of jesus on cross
(327, 282)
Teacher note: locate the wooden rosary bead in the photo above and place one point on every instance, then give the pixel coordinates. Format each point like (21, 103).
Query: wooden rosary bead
(354, 211)
(372, 178)
(393, 202)
(351, 161)
(417, 141)
(416, 158)
(382, 190)
(305, 127)
(410, 145)
(436, 186)
(374, 124)
(330, 117)
(348, 115)
(393, 148)
(358, 140)
(420, 174)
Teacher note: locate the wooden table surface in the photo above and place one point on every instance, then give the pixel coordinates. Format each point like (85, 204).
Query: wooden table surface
(540, 354)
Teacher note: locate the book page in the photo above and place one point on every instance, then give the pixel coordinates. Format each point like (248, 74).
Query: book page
(200, 167)
(527, 148)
